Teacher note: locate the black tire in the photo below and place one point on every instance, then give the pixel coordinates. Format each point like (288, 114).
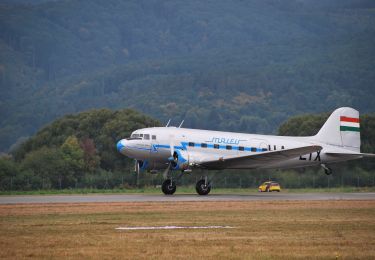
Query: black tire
(201, 188)
(328, 171)
(168, 187)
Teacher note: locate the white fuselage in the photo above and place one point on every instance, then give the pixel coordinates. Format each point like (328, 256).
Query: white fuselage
(154, 146)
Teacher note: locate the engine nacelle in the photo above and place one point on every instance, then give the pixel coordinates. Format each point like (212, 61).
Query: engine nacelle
(180, 160)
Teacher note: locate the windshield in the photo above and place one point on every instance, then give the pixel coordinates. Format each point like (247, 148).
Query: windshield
(135, 136)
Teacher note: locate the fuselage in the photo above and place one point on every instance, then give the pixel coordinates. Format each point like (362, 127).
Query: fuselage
(153, 146)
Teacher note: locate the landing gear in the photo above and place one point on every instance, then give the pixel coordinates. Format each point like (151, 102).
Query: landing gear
(203, 187)
(168, 187)
(327, 170)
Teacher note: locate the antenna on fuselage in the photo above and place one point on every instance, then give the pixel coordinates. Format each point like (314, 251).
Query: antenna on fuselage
(168, 123)
(181, 123)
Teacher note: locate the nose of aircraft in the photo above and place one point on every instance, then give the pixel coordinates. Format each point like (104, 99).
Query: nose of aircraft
(120, 145)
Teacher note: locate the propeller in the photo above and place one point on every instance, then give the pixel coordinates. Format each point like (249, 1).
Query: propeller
(170, 159)
(172, 148)
(171, 145)
(137, 170)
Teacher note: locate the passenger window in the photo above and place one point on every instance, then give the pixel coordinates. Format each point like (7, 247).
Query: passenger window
(203, 145)
(153, 137)
(253, 149)
(264, 149)
(282, 147)
(229, 147)
(274, 147)
(191, 144)
(216, 146)
(241, 148)
(269, 147)
(147, 137)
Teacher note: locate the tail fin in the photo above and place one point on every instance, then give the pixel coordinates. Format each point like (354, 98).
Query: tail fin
(342, 129)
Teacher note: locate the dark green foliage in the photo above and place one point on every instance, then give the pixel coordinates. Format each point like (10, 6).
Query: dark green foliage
(73, 151)
(100, 128)
(349, 173)
(303, 125)
(228, 65)
(309, 124)
(8, 171)
(368, 133)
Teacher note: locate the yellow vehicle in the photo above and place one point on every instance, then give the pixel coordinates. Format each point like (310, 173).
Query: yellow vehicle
(269, 186)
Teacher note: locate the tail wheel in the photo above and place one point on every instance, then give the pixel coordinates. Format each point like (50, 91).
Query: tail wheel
(328, 171)
(168, 187)
(202, 188)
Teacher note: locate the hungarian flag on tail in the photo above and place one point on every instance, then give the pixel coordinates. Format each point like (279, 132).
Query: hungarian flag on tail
(349, 124)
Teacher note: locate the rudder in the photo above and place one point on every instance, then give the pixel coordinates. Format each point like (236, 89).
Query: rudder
(342, 129)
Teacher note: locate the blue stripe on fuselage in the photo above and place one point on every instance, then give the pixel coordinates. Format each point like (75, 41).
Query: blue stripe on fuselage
(184, 146)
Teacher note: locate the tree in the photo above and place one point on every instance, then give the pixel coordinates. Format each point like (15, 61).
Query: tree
(73, 158)
(8, 170)
(48, 165)
(90, 155)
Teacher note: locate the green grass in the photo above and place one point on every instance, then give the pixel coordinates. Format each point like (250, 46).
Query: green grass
(82, 191)
(180, 190)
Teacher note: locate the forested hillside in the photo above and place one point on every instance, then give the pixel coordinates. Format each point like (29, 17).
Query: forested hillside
(76, 149)
(228, 65)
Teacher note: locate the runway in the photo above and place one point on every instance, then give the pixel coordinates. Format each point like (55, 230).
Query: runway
(19, 199)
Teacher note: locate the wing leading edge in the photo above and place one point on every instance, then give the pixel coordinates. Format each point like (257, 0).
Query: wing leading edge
(260, 159)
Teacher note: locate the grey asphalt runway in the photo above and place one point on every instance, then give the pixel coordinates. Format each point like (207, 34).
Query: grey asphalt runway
(17, 199)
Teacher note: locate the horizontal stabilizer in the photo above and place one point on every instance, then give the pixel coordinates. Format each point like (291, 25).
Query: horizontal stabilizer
(360, 155)
(259, 159)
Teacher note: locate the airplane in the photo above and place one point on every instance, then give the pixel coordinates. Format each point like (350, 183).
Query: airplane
(182, 149)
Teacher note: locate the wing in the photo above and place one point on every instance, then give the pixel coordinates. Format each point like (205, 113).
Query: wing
(259, 159)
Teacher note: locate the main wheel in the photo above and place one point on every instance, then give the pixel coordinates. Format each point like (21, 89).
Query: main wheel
(168, 187)
(202, 188)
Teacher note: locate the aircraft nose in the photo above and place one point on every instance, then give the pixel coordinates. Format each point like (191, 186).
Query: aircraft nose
(120, 145)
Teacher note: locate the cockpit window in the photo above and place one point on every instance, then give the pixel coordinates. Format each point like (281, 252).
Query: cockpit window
(146, 136)
(134, 136)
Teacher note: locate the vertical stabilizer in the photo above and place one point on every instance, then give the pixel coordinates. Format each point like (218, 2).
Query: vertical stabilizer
(342, 129)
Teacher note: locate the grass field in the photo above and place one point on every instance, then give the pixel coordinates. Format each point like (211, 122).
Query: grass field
(180, 190)
(262, 230)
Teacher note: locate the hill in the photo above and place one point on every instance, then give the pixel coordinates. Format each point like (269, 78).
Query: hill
(226, 65)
